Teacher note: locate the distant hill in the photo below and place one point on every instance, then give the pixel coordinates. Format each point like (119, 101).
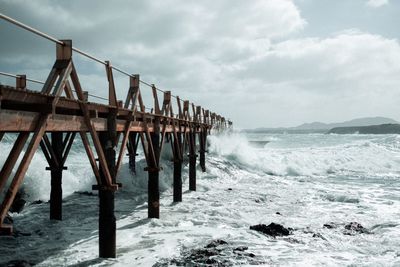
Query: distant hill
(372, 129)
(351, 123)
(321, 127)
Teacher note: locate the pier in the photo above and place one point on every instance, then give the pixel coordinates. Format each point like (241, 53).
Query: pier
(52, 118)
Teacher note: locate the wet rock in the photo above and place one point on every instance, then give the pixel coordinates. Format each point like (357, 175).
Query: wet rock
(18, 203)
(330, 225)
(17, 233)
(241, 248)
(18, 263)
(8, 219)
(216, 253)
(318, 235)
(37, 202)
(353, 228)
(273, 229)
(216, 243)
(86, 193)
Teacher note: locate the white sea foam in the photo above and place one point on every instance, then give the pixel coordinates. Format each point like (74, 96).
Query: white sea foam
(309, 179)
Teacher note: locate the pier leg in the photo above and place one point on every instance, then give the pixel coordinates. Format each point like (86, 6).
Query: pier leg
(56, 178)
(177, 169)
(153, 183)
(132, 149)
(107, 221)
(202, 141)
(192, 161)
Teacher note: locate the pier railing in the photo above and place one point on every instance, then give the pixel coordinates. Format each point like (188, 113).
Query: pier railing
(52, 118)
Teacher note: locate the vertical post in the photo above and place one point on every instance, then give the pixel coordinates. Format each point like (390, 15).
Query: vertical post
(21, 82)
(192, 160)
(153, 169)
(107, 221)
(178, 168)
(56, 177)
(132, 149)
(202, 141)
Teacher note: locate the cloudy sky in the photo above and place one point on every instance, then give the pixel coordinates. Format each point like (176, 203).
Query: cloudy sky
(260, 63)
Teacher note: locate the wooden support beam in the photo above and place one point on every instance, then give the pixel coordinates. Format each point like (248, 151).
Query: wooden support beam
(202, 143)
(133, 143)
(56, 177)
(20, 82)
(177, 167)
(192, 161)
(112, 97)
(12, 158)
(107, 221)
(22, 168)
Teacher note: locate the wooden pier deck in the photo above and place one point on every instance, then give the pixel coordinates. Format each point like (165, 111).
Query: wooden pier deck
(52, 118)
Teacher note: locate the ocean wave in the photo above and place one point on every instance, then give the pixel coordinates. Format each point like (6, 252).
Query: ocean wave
(363, 157)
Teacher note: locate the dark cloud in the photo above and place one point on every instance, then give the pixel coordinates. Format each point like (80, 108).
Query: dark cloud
(230, 56)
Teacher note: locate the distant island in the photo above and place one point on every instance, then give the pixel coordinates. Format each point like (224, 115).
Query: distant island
(368, 125)
(372, 129)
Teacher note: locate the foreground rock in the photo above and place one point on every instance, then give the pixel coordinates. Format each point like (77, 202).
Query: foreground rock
(17, 263)
(216, 253)
(273, 229)
(353, 228)
(19, 202)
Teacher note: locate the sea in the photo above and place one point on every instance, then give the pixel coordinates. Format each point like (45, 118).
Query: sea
(312, 184)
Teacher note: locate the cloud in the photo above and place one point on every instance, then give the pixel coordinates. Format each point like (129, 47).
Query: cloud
(245, 61)
(349, 74)
(377, 3)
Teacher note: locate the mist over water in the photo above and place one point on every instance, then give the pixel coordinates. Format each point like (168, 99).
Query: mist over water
(309, 179)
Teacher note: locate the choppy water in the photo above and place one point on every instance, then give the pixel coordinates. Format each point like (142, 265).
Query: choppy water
(310, 179)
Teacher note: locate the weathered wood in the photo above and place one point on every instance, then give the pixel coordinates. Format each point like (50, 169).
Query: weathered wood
(20, 82)
(12, 158)
(192, 161)
(177, 168)
(56, 177)
(202, 151)
(107, 221)
(23, 167)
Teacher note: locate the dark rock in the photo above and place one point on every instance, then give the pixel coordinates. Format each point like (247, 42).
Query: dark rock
(37, 202)
(330, 225)
(18, 203)
(273, 229)
(8, 219)
(229, 189)
(278, 213)
(86, 193)
(18, 263)
(318, 235)
(241, 248)
(216, 243)
(17, 233)
(355, 228)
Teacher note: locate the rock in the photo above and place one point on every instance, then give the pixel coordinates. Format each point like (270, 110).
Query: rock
(330, 225)
(86, 193)
(216, 243)
(18, 263)
(241, 248)
(18, 203)
(8, 219)
(355, 228)
(273, 229)
(37, 202)
(278, 213)
(229, 189)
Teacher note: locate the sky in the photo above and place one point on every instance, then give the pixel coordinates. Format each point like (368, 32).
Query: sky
(260, 63)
